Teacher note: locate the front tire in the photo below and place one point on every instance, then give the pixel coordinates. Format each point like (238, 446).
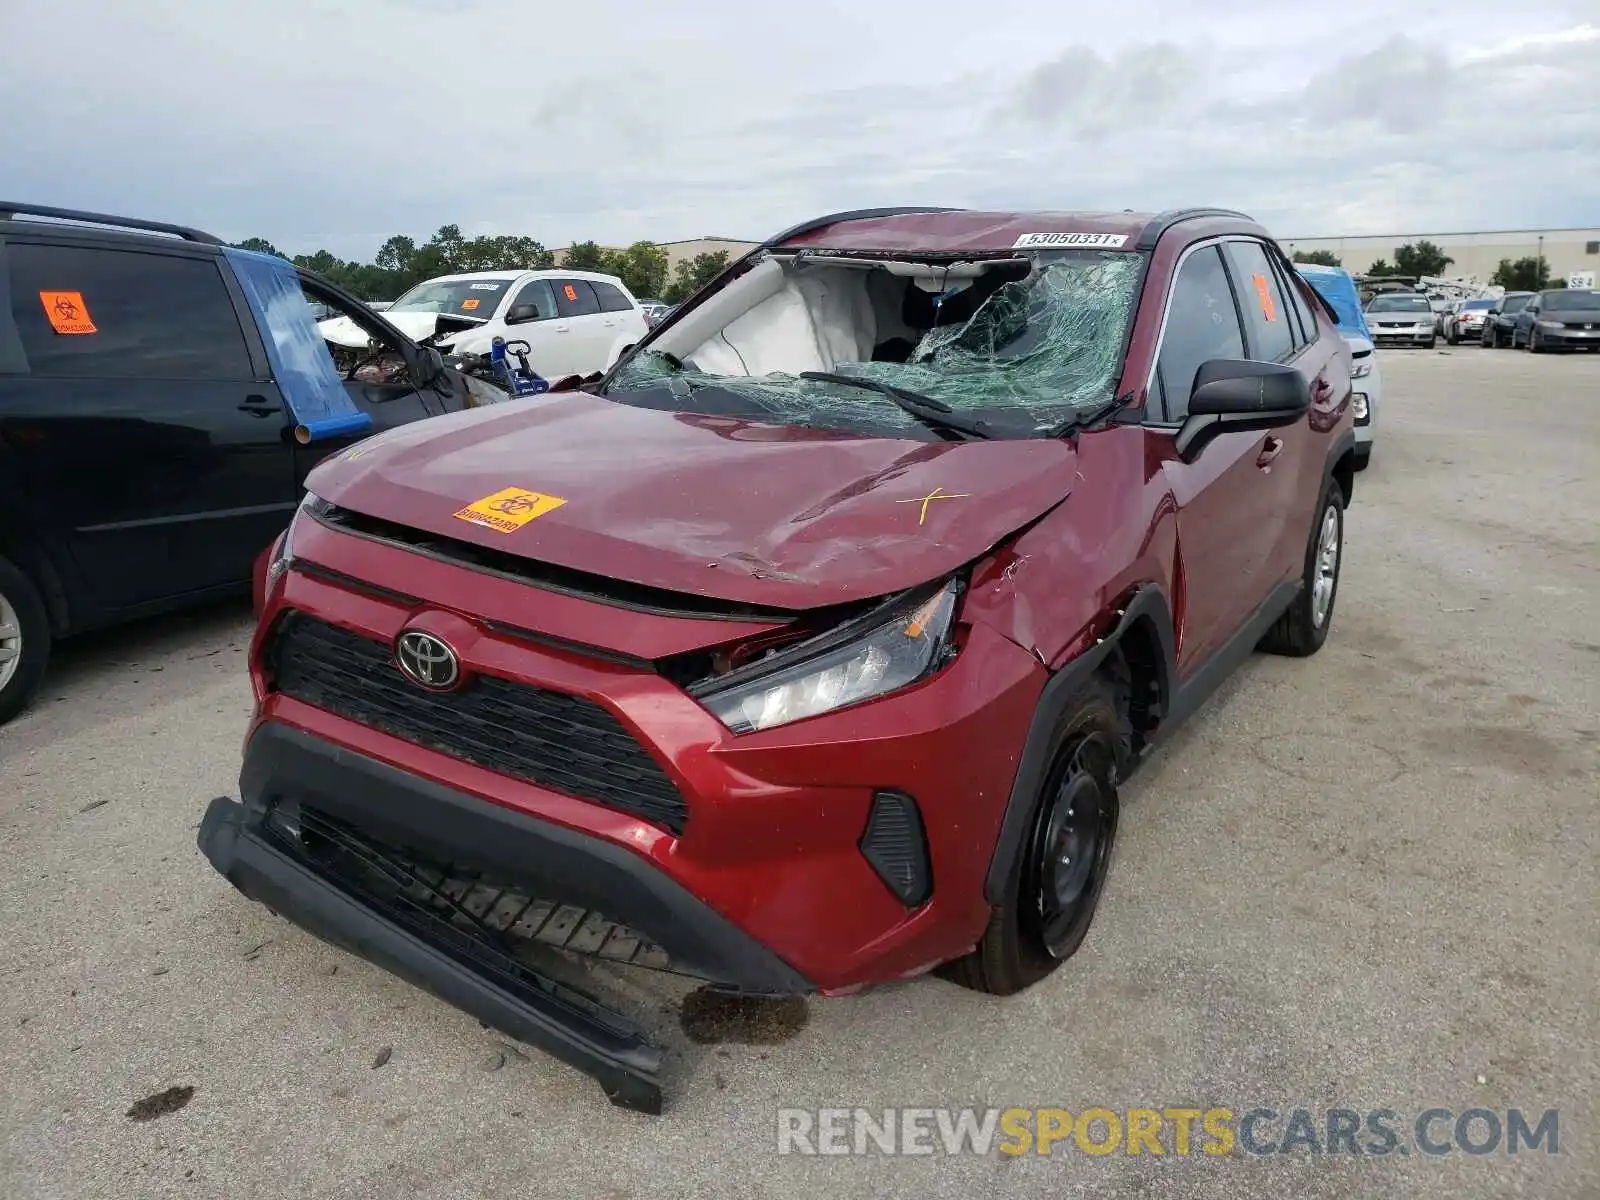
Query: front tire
(1055, 878)
(1301, 630)
(24, 640)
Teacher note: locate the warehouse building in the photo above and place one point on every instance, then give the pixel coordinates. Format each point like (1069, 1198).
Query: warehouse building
(1476, 255)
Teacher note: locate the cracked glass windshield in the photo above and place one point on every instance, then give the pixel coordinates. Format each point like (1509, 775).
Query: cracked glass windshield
(1022, 344)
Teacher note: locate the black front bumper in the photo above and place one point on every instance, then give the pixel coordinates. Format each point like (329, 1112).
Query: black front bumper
(288, 770)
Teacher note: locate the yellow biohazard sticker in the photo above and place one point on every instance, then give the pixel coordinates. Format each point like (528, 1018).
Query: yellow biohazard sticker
(509, 509)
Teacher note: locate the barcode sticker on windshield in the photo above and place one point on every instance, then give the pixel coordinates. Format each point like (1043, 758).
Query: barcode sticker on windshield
(1070, 239)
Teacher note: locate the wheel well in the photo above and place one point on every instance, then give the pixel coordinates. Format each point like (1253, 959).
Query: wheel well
(1139, 652)
(33, 563)
(1344, 474)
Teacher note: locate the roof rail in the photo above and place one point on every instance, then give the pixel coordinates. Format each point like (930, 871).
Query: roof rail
(860, 214)
(9, 211)
(1164, 221)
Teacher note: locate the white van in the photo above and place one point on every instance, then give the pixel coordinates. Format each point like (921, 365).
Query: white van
(575, 322)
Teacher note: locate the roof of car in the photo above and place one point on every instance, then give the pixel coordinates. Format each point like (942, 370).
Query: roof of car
(956, 231)
(540, 273)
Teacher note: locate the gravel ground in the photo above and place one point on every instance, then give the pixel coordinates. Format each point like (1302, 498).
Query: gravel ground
(1364, 880)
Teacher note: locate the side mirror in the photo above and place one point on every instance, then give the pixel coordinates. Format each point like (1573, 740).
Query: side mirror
(521, 314)
(1237, 395)
(429, 366)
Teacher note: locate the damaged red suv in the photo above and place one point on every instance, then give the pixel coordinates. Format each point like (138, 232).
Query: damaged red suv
(808, 648)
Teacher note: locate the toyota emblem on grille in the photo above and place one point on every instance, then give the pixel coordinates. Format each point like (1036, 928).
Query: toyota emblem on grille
(426, 660)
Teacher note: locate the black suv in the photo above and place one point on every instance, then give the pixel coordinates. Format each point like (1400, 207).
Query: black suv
(162, 397)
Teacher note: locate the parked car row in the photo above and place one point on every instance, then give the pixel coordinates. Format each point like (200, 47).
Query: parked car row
(1556, 319)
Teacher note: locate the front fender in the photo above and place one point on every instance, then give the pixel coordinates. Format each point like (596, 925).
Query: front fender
(1147, 609)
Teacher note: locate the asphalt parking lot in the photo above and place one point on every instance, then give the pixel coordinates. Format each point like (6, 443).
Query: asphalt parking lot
(1365, 880)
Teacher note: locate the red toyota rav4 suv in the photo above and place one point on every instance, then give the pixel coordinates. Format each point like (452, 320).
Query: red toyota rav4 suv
(807, 648)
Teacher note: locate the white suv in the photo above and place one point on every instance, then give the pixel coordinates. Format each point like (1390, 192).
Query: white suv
(575, 322)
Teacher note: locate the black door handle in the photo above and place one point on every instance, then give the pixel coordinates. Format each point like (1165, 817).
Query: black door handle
(260, 406)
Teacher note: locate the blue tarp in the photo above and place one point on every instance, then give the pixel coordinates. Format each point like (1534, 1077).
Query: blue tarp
(1335, 286)
(295, 347)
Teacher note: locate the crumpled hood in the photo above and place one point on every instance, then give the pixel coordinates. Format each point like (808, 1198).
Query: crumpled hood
(712, 506)
(342, 331)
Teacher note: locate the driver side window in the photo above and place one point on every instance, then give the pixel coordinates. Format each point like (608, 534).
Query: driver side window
(1202, 324)
(538, 293)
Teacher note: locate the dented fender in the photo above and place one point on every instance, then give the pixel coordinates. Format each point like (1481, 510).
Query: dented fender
(1053, 588)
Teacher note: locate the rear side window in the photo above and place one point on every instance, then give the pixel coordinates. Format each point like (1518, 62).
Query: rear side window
(1202, 324)
(1293, 288)
(611, 297)
(575, 298)
(1266, 317)
(88, 313)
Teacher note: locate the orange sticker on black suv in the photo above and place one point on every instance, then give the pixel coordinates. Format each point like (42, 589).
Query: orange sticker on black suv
(67, 312)
(509, 509)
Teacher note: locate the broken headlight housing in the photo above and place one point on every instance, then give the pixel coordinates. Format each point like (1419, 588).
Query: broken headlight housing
(886, 649)
(284, 554)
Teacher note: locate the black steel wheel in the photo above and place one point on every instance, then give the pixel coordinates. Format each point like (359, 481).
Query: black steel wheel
(1071, 846)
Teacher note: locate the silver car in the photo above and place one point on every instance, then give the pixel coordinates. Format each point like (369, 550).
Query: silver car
(1401, 318)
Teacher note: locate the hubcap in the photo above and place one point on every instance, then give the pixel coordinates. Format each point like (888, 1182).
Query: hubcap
(10, 641)
(1073, 843)
(1326, 566)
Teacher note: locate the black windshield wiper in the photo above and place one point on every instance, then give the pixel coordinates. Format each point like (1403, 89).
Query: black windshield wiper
(1082, 420)
(935, 414)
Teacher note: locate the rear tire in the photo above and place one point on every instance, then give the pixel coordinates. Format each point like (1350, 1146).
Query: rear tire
(1055, 878)
(1301, 630)
(24, 640)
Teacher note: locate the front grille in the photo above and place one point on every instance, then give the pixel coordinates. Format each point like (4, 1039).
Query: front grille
(558, 741)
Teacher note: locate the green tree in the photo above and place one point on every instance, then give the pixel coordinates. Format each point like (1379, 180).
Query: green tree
(692, 274)
(259, 245)
(585, 256)
(1321, 258)
(1420, 258)
(642, 267)
(1382, 267)
(1530, 274)
(401, 263)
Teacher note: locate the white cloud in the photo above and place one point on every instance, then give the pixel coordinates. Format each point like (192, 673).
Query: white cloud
(338, 124)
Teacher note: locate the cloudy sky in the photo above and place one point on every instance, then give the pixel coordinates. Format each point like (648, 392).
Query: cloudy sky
(335, 123)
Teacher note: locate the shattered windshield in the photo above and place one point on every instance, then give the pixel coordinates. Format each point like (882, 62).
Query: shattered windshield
(1036, 349)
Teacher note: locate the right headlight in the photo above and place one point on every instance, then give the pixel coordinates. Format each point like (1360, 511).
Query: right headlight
(887, 649)
(1362, 369)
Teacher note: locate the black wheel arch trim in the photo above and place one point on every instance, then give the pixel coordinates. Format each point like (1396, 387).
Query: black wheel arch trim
(1148, 603)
